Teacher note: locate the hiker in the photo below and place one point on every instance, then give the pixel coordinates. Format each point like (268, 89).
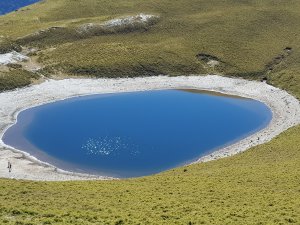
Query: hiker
(9, 166)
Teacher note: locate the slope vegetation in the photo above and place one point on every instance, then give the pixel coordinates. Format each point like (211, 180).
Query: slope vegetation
(252, 39)
(248, 38)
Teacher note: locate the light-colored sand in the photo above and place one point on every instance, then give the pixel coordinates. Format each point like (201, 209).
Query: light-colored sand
(285, 108)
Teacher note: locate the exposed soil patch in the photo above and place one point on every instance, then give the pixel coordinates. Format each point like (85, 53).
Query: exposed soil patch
(278, 59)
(288, 50)
(206, 57)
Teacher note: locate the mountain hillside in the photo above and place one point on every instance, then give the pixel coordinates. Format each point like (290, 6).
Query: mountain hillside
(252, 39)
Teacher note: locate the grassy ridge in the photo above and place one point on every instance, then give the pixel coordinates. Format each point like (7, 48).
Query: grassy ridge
(260, 186)
(245, 35)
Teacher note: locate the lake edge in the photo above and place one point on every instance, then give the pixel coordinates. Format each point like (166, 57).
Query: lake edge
(204, 82)
(43, 155)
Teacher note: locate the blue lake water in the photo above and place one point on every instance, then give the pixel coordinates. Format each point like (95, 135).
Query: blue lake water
(134, 134)
(7, 6)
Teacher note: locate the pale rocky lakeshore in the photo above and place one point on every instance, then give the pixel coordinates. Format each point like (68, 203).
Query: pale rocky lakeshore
(285, 109)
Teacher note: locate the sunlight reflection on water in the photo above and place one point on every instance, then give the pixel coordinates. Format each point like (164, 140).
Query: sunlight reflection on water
(109, 146)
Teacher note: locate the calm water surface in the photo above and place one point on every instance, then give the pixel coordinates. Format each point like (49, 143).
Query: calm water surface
(134, 134)
(7, 6)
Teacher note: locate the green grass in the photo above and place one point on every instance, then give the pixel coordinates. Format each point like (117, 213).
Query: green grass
(260, 186)
(245, 35)
(8, 45)
(16, 78)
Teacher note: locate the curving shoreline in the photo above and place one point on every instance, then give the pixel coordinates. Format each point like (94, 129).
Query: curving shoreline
(285, 109)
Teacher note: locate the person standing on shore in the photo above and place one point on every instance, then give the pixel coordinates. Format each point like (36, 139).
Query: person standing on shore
(9, 166)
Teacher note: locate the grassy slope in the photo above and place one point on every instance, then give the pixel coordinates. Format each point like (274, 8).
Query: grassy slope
(16, 79)
(246, 35)
(260, 186)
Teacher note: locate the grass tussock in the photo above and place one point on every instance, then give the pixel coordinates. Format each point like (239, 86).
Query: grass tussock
(16, 78)
(8, 45)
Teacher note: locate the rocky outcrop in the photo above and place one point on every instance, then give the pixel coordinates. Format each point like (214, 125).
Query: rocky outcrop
(119, 25)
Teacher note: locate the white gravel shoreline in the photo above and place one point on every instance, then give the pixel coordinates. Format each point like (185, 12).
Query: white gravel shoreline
(285, 108)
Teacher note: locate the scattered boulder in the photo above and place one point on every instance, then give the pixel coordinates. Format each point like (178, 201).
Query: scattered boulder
(213, 63)
(206, 57)
(119, 25)
(12, 57)
(264, 79)
(288, 50)
(278, 59)
(129, 20)
(211, 60)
